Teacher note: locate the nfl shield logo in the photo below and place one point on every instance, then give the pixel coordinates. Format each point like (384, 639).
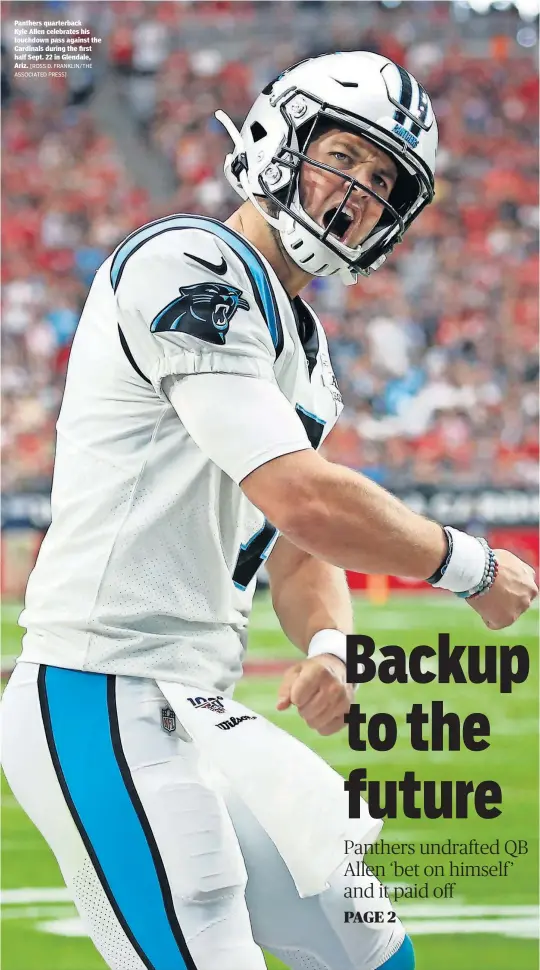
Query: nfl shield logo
(168, 720)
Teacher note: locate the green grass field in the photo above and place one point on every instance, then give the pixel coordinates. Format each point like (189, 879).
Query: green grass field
(490, 923)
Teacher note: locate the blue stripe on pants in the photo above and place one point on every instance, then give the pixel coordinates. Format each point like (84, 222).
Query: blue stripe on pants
(85, 751)
(403, 959)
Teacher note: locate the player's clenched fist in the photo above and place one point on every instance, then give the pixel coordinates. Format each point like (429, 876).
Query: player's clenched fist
(512, 592)
(318, 688)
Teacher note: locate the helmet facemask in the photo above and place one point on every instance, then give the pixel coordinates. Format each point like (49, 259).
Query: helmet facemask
(356, 91)
(409, 195)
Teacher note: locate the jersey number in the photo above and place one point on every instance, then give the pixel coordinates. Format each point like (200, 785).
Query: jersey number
(253, 553)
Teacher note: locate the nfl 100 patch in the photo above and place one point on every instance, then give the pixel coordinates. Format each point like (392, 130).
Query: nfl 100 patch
(168, 720)
(214, 704)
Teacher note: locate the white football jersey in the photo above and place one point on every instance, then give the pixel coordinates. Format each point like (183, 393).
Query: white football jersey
(148, 568)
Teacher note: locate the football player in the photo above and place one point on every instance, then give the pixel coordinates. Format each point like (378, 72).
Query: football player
(198, 393)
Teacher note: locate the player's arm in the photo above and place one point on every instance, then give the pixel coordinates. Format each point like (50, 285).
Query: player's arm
(210, 348)
(310, 596)
(343, 517)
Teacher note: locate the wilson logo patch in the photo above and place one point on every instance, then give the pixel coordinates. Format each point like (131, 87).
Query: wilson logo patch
(234, 721)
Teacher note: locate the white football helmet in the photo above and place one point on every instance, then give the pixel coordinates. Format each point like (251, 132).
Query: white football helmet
(363, 93)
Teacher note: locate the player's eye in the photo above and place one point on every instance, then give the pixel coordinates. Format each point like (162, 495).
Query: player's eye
(380, 180)
(341, 157)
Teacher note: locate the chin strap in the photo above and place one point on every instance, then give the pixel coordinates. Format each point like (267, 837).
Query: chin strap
(241, 169)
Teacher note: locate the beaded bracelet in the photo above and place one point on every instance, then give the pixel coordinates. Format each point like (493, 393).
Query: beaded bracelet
(488, 587)
(490, 572)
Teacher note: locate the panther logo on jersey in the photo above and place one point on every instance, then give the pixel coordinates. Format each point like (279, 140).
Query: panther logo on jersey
(203, 310)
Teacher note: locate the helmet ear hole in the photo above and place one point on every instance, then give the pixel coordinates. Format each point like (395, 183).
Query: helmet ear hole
(257, 131)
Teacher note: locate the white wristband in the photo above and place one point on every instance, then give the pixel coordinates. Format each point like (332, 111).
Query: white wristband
(329, 641)
(467, 563)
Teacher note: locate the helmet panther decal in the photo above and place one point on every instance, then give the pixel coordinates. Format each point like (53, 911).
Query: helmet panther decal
(203, 310)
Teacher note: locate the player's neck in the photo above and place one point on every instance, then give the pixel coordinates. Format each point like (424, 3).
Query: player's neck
(247, 221)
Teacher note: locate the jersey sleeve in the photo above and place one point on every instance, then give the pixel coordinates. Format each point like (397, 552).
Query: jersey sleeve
(239, 423)
(190, 303)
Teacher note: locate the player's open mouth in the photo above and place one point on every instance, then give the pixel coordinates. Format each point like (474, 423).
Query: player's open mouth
(341, 223)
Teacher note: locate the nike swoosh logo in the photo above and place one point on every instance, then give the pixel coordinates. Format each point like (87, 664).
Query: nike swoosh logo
(220, 268)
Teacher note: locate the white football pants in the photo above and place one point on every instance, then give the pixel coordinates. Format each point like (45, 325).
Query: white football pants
(167, 872)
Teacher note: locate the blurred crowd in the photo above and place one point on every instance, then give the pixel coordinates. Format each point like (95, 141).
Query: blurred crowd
(67, 202)
(436, 353)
